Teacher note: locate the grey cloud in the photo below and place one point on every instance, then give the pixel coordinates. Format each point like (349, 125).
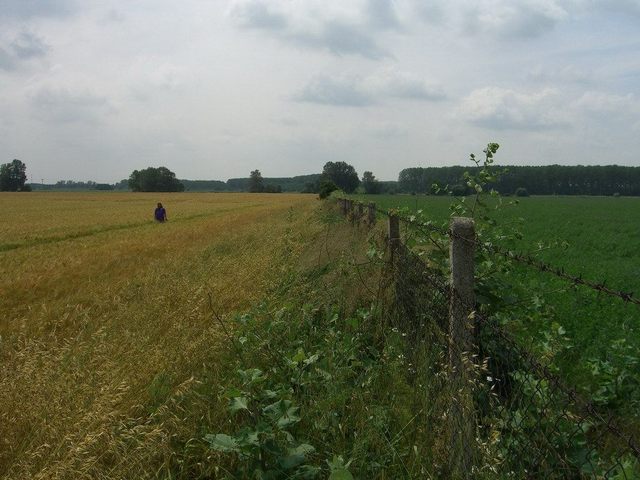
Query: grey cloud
(382, 15)
(360, 92)
(7, 61)
(340, 92)
(389, 132)
(65, 106)
(430, 11)
(114, 16)
(513, 20)
(24, 9)
(341, 38)
(24, 47)
(28, 45)
(258, 15)
(631, 7)
(337, 36)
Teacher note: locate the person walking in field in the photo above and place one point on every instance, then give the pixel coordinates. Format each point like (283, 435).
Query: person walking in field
(160, 214)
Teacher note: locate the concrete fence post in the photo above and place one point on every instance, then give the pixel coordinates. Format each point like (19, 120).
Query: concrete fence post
(461, 346)
(371, 213)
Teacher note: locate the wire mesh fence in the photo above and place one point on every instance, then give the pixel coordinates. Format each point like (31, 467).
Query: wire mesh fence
(498, 410)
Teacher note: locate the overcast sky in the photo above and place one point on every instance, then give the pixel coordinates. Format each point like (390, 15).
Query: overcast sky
(92, 89)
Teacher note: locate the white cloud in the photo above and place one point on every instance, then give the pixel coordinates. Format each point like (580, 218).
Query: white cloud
(564, 74)
(611, 105)
(506, 109)
(393, 83)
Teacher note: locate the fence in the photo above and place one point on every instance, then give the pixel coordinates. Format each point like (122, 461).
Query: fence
(506, 414)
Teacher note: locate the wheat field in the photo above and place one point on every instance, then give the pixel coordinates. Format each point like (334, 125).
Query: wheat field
(106, 319)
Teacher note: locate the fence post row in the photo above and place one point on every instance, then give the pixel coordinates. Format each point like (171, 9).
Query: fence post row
(461, 345)
(371, 213)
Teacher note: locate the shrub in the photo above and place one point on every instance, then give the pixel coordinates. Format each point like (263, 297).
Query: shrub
(458, 190)
(326, 187)
(521, 192)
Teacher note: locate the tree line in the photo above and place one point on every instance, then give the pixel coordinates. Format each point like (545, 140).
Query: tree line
(520, 180)
(535, 180)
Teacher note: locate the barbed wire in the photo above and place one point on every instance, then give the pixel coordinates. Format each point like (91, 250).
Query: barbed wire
(540, 420)
(522, 258)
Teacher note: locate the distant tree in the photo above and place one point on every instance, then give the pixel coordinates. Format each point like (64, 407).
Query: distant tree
(122, 185)
(152, 179)
(459, 190)
(342, 174)
(312, 187)
(326, 187)
(269, 188)
(256, 182)
(370, 184)
(13, 176)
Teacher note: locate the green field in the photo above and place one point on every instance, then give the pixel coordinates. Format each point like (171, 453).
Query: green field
(602, 233)
(597, 238)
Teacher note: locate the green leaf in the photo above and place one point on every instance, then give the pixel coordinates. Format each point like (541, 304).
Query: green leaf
(296, 456)
(282, 413)
(238, 403)
(312, 359)
(299, 356)
(339, 470)
(222, 442)
(340, 474)
(306, 472)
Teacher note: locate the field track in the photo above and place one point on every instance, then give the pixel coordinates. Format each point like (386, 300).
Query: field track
(105, 316)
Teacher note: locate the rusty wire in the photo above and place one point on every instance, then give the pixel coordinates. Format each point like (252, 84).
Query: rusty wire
(522, 258)
(526, 417)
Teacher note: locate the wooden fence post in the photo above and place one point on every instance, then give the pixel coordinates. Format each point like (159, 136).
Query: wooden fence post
(360, 211)
(394, 234)
(371, 213)
(461, 347)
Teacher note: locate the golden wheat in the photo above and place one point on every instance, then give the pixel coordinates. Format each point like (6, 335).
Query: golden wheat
(105, 321)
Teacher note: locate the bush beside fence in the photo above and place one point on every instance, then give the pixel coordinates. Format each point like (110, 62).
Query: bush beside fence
(506, 414)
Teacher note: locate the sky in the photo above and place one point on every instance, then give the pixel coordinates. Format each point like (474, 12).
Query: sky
(93, 89)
